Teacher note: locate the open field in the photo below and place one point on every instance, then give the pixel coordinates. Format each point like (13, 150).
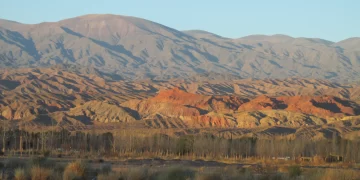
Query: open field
(156, 168)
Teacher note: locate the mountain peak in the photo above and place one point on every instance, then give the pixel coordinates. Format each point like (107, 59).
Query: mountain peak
(202, 34)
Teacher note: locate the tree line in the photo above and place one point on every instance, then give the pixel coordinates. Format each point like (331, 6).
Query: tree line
(120, 143)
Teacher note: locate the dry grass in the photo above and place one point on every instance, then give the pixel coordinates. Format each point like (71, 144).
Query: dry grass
(318, 160)
(283, 169)
(341, 174)
(20, 174)
(76, 169)
(39, 169)
(39, 173)
(331, 174)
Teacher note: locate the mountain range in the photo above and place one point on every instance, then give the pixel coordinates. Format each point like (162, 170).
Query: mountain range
(135, 49)
(113, 72)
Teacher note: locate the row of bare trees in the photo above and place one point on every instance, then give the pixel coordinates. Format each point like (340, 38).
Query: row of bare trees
(202, 146)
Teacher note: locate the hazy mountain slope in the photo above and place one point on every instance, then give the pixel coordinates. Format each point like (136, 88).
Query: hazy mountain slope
(136, 48)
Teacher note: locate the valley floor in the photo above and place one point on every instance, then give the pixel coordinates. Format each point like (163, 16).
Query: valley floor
(185, 169)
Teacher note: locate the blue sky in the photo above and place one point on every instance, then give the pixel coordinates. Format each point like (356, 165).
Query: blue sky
(333, 20)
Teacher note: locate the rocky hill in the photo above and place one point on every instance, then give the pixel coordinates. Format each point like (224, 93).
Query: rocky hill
(29, 92)
(82, 98)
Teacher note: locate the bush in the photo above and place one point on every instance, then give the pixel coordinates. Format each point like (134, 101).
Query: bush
(75, 170)
(39, 173)
(20, 174)
(294, 171)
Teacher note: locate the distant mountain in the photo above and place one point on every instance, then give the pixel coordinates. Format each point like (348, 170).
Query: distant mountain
(135, 48)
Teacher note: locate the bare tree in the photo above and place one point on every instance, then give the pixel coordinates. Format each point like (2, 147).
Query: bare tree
(5, 133)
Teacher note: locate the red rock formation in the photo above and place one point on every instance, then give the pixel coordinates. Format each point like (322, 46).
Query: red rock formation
(323, 106)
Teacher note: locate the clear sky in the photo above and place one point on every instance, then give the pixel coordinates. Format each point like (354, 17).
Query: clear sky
(333, 20)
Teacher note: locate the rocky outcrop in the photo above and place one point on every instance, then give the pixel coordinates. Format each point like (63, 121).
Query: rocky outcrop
(323, 106)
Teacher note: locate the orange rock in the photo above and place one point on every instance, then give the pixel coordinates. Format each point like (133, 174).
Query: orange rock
(323, 106)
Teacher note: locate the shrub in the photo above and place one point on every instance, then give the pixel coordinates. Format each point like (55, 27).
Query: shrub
(20, 174)
(39, 173)
(294, 171)
(75, 170)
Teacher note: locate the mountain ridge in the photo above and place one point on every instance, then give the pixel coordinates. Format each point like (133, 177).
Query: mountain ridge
(135, 48)
(189, 30)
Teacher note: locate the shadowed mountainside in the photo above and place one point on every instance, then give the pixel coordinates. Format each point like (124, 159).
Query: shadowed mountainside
(134, 48)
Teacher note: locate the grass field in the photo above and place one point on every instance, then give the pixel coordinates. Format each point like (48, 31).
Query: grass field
(168, 169)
